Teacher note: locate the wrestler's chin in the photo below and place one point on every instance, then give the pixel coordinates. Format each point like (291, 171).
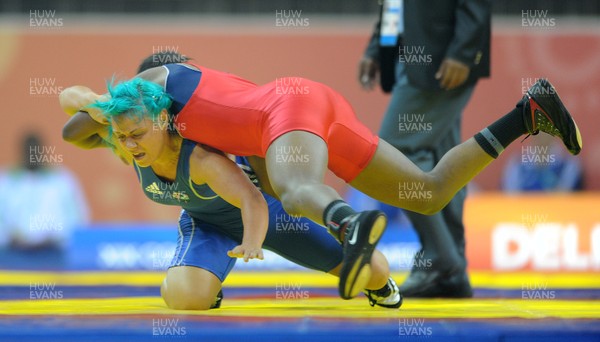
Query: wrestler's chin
(141, 159)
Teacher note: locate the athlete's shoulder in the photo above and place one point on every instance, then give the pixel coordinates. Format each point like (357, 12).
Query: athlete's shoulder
(197, 159)
(204, 158)
(201, 153)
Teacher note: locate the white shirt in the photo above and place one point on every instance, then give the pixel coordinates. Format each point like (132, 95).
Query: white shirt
(41, 205)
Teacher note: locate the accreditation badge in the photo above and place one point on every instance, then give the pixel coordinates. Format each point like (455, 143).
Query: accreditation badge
(391, 22)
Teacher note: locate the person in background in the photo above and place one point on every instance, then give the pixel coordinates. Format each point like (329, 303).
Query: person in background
(542, 166)
(42, 202)
(430, 55)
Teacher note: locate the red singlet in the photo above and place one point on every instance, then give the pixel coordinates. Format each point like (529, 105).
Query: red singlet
(238, 117)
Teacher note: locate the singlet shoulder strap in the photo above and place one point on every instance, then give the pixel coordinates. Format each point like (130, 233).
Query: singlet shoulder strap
(180, 84)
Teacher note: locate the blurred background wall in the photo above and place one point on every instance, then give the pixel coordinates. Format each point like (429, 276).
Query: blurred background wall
(558, 7)
(49, 45)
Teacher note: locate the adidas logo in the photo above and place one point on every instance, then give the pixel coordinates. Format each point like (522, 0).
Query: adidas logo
(159, 194)
(154, 189)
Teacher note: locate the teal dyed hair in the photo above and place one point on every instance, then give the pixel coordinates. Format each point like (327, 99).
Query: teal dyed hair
(136, 97)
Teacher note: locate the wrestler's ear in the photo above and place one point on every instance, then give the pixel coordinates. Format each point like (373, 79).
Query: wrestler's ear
(163, 116)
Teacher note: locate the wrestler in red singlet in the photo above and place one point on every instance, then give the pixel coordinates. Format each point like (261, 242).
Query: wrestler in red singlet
(239, 117)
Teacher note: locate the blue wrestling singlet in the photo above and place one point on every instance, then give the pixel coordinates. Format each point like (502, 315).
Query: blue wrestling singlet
(209, 226)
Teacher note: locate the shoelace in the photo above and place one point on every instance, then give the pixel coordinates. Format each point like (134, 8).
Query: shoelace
(546, 125)
(528, 135)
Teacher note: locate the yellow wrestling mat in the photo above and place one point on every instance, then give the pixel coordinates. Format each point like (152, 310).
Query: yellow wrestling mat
(318, 307)
(512, 280)
(268, 306)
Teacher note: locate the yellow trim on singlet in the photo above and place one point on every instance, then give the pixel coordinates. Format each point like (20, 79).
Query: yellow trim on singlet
(197, 194)
(139, 172)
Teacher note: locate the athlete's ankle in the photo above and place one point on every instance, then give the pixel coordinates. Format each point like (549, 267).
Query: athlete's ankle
(334, 217)
(497, 136)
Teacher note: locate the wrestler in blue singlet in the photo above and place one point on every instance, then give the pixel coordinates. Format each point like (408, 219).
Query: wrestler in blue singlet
(209, 226)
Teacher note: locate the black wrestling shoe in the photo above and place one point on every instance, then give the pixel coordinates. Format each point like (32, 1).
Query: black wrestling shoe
(437, 284)
(544, 111)
(363, 231)
(218, 299)
(387, 297)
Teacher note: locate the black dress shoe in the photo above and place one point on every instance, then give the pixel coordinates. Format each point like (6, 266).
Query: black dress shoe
(434, 283)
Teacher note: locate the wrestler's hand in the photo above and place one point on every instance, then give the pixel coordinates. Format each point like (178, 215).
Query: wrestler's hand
(95, 113)
(79, 98)
(246, 252)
